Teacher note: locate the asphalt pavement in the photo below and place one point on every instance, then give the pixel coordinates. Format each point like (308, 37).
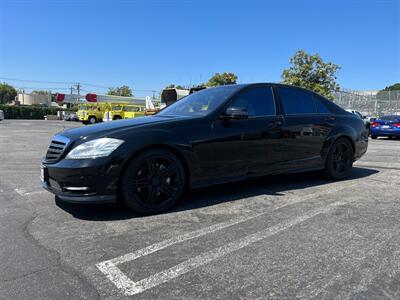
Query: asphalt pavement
(293, 236)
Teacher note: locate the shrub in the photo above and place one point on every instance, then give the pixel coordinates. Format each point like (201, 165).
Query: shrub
(27, 112)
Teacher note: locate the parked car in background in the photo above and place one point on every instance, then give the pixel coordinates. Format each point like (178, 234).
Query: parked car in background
(366, 121)
(388, 126)
(71, 116)
(125, 111)
(91, 113)
(213, 136)
(360, 115)
(1, 115)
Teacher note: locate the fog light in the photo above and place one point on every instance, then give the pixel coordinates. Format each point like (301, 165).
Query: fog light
(76, 188)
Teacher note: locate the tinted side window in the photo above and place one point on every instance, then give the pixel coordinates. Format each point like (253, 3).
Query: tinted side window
(296, 101)
(321, 107)
(258, 101)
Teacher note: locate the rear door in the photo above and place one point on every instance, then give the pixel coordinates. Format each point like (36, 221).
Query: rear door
(307, 123)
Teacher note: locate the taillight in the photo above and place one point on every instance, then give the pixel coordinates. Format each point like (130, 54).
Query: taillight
(374, 124)
(396, 124)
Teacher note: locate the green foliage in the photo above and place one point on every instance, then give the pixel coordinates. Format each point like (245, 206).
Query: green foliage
(393, 87)
(120, 91)
(39, 92)
(385, 93)
(222, 79)
(173, 86)
(27, 112)
(7, 93)
(311, 72)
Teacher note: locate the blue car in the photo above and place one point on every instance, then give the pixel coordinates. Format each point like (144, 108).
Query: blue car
(386, 126)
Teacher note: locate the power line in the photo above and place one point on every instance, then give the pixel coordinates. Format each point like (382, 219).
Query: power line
(42, 88)
(95, 85)
(36, 81)
(65, 82)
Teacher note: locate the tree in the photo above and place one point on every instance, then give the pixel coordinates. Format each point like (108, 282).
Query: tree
(120, 91)
(222, 79)
(7, 93)
(385, 93)
(393, 87)
(173, 86)
(40, 92)
(311, 72)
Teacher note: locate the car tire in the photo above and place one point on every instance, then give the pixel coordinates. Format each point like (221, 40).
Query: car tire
(339, 161)
(374, 137)
(152, 182)
(92, 120)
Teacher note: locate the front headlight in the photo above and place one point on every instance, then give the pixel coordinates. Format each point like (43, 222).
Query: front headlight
(96, 148)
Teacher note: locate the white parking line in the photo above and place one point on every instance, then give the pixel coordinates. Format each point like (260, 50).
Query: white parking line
(129, 287)
(23, 192)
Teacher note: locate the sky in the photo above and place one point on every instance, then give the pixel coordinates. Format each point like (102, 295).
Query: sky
(150, 44)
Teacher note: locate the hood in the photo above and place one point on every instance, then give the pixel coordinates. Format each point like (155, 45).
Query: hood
(103, 129)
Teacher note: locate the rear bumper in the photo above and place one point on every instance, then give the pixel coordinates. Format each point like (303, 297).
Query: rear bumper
(360, 148)
(385, 132)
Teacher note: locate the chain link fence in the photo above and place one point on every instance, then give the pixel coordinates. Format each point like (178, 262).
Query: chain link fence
(370, 103)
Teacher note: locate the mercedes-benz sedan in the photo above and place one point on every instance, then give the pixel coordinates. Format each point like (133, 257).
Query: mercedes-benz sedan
(210, 137)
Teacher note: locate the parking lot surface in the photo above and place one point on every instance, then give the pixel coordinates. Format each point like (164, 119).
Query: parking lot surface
(283, 237)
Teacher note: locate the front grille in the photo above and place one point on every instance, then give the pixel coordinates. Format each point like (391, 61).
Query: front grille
(56, 148)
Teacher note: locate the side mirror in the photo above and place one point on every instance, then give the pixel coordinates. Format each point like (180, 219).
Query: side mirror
(236, 113)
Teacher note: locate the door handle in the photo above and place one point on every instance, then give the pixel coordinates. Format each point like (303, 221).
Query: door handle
(274, 124)
(330, 118)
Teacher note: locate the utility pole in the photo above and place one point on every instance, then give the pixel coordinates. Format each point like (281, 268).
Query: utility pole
(78, 87)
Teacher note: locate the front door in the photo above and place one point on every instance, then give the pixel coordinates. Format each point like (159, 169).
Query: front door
(246, 147)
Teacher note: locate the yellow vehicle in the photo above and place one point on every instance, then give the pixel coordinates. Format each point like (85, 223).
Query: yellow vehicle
(125, 111)
(90, 113)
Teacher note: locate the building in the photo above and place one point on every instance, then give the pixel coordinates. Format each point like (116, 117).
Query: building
(33, 99)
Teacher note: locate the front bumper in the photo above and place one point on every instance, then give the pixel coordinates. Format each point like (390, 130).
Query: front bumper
(82, 181)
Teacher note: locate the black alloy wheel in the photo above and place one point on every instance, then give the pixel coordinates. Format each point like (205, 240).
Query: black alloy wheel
(153, 182)
(340, 160)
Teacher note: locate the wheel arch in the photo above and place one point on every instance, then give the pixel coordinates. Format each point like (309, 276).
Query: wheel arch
(169, 148)
(348, 138)
(334, 136)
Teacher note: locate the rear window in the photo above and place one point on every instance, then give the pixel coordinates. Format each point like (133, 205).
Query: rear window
(390, 118)
(320, 106)
(296, 101)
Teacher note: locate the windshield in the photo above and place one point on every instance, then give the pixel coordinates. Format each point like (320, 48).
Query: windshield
(358, 114)
(82, 107)
(200, 103)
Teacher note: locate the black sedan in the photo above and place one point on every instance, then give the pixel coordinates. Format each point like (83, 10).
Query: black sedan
(210, 137)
